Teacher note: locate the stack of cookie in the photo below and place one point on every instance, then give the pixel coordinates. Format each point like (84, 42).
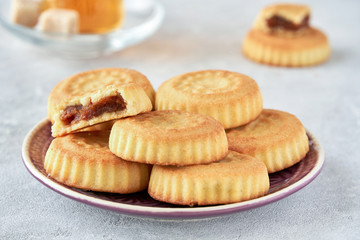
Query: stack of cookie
(82, 109)
(209, 141)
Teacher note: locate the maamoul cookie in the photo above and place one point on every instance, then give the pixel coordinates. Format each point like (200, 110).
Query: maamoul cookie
(169, 138)
(282, 36)
(100, 106)
(83, 160)
(93, 97)
(94, 80)
(231, 98)
(277, 138)
(235, 178)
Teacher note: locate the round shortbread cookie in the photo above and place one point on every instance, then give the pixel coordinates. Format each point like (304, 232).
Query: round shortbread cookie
(94, 80)
(83, 160)
(277, 138)
(235, 178)
(282, 36)
(169, 138)
(308, 49)
(231, 98)
(98, 96)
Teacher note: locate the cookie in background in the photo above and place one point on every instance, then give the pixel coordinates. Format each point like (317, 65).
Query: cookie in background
(282, 36)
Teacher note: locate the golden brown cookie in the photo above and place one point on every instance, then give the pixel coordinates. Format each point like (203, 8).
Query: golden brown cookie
(94, 97)
(283, 36)
(231, 98)
(100, 106)
(83, 160)
(169, 138)
(94, 80)
(235, 178)
(277, 138)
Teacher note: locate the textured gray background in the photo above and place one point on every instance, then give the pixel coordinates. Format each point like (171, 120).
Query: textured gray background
(196, 35)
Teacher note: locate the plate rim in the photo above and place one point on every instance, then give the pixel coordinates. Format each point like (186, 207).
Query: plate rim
(163, 212)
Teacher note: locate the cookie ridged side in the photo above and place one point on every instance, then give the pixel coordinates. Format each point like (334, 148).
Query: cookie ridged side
(309, 49)
(231, 98)
(95, 171)
(200, 139)
(285, 155)
(230, 115)
(236, 178)
(277, 138)
(135, 148)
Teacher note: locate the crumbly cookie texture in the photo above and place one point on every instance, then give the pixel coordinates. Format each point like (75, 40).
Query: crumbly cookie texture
(94, 80)
(277, 138)
(83, 160)
(100, 106)
(235, 178)
(232, 98)
(169, 138)
(106, 94)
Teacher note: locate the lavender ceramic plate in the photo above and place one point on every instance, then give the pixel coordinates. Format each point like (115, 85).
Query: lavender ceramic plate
(282, 184)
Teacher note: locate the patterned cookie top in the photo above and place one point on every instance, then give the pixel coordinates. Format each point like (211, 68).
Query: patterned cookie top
(86, 146)
(89, 81)
(169, 124)
(208, 82)
(231, 98)
(170, 120)
(270, 126)
(211, 82)
(233, 164)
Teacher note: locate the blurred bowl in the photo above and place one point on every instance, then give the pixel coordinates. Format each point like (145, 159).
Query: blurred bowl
(142, 19)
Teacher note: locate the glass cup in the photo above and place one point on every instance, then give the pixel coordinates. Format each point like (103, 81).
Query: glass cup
(96, 16)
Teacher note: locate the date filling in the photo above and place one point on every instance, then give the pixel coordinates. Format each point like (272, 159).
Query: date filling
(75, 113)
(279, 22)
